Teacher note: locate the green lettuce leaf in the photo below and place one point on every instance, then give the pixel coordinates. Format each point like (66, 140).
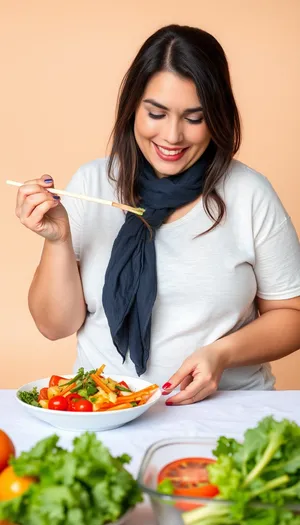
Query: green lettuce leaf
(85, 485)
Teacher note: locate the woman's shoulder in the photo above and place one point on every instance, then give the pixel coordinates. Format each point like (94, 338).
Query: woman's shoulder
(247, 190)
(247, 184)
(242, 177)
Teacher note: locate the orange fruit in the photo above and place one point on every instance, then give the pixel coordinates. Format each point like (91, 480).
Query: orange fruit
(12, 485)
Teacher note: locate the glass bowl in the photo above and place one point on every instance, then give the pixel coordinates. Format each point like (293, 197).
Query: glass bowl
(168, 509)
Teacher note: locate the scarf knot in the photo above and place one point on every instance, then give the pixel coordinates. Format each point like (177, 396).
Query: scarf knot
(130, 285)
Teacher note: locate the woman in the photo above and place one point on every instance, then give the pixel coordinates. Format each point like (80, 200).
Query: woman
(204, 291)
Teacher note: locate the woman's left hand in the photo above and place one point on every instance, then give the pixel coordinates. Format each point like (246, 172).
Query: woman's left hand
(198, 376)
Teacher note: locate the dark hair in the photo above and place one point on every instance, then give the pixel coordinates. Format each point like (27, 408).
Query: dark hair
(194, 54)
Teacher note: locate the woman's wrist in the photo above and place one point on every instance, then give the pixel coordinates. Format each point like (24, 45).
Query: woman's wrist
(221, 350)
(66, 240)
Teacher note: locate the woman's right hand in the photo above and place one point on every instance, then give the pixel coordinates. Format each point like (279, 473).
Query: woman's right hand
(41, 211)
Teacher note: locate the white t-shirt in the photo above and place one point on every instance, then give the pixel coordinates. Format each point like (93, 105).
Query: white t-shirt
(206, 285)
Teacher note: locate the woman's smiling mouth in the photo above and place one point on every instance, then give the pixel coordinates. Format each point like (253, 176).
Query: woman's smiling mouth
(169, 154)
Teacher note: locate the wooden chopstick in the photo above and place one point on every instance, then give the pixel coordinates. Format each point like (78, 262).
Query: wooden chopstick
(137, 211)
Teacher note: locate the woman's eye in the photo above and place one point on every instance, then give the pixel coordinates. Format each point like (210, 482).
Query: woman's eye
(190, 120)
(152, 115)
(195, 121)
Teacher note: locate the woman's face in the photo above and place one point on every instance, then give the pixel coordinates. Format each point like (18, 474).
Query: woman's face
(169, 126)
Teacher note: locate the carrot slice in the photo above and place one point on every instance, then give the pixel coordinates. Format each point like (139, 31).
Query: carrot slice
(133, 397)
(67, 389)
(102, 407)
(100, 370)
(144, 399)
(100, 383)
(120, 407)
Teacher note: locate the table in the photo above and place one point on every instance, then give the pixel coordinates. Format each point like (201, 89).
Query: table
(228, 413)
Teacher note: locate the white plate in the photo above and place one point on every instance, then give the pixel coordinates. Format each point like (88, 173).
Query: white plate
(93, 421)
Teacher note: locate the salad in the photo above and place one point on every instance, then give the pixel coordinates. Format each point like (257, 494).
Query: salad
(87, 392)
(256, 479)
(52, 485)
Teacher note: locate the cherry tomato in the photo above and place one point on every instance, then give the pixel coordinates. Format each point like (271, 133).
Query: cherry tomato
(12, 485)
(83, 406)
(123, 383)
(58, 403)
(54, 380)
(190, 478)
(7, 449)
(72, 399)
(43, 394)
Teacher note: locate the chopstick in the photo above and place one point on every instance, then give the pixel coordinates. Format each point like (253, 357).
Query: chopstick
(137, 211)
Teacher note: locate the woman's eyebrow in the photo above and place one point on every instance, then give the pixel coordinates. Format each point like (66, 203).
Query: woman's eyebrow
(161, 106)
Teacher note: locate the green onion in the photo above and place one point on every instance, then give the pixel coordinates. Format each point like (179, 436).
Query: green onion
(122, 388)
(78, 387)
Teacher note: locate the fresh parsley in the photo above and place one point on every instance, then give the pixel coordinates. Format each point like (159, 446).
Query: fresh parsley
(30, 397)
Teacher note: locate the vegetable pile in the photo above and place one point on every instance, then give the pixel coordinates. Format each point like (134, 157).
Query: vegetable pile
(264, 469)
(87, 392)
(83, 486)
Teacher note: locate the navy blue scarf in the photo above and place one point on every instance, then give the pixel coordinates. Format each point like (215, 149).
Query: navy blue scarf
(130, 286)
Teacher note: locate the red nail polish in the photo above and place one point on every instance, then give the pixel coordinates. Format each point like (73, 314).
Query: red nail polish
(169, 403)
(166, 386)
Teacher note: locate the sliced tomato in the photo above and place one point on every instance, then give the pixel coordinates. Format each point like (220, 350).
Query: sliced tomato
(72, 399)
(189, 477)
(54, 380)
(43, 394)
(123, 383)
(83, 406)
(58, 403)
(204, 491)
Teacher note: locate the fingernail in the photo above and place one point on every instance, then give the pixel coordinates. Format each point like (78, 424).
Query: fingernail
(166, 386)
(48, 181)
(169, 403)
(57, 197)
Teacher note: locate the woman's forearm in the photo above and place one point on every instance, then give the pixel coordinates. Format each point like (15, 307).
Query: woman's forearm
(272, 336)
(56, 299)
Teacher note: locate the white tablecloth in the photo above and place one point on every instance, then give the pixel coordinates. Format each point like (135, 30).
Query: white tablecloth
(228, 413)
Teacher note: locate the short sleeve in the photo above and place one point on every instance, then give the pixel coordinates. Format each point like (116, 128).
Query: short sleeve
(277, 248)
(75, 209)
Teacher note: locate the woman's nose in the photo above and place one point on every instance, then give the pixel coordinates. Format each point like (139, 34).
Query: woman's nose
(173, 133)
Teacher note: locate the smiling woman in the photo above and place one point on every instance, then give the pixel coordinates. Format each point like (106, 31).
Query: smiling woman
(171, 138)
(199, 291)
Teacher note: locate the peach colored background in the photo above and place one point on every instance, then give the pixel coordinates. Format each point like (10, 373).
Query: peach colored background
(61, 64)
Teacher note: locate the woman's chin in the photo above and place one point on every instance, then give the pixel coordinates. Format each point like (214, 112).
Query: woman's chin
(167, 168)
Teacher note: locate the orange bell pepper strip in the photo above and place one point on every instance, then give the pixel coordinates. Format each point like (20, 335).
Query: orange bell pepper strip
(120, 407)
(100, 383)
(136, 395)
